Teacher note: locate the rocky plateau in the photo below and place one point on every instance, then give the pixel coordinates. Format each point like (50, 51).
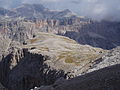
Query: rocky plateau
(43, 49)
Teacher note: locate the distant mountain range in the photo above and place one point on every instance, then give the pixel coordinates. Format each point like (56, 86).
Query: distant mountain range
(103, 34)
(36, 11)
(39, 46)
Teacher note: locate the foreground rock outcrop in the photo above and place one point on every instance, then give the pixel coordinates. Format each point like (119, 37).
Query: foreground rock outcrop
(64, 53)
(1, 87)
(30, 58)
(24, 70)
(104, 74)
(44, 61)
(104, 79)
(112, 57)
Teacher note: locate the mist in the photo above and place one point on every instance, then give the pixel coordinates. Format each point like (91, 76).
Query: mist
(95, 9)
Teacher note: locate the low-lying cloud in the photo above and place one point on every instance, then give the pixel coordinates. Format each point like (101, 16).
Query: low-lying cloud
(96, 9)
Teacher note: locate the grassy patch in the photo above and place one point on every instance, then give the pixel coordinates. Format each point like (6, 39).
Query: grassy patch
(69, 59)
(44, 48)
(33, 40)
(68, 40)
(72, 57)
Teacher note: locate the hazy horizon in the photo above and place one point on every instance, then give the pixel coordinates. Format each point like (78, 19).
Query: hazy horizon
(96, 9)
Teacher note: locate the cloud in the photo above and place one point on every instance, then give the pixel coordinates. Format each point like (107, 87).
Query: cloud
(51, 0)
(99, 9)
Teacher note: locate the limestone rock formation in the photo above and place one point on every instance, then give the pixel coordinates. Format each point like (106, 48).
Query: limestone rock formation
(36, 11)
(4, 45)
(32, 56)
(64, 53)
(31, 19)
(102, 75)
(22, 70)
(112, 57)
(104, 79)
(103, 34)
(47, 57)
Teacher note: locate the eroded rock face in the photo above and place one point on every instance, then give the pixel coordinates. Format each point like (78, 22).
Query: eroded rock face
(36, 18)
(36, 11)
(4, 45)
(103, 74)
(50, 57)
(65, 54)
(20, 29)
(1, 87)
(112, 57)
(22, 70)
(45, 61)
(104, 79)
(98, 34)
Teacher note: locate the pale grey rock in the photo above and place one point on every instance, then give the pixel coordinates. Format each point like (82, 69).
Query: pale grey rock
(112, 57)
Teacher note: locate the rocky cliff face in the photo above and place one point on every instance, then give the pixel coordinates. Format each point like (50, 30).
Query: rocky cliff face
(45, 61)
(1, 87)
(22, 70)
(20, 29)
(109, 59)
(36, 11)
(4, 45)
(103, 74)
(49, 58)
(104, 79)
(98, 34)
(31, 19)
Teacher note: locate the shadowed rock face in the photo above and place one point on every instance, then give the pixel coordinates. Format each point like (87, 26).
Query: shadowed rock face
(45, 61)
(1, 87)
(98, 34)
(65, 54)
(104, 75)
(104, 79)
(22, 70)
(51, 57)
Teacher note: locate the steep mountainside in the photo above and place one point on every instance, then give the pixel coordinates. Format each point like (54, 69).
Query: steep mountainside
(47, 57)
(104, 79)
(34, 51)
(1, 87)
(64, 53)
(104, 74)
(36, 11)
(102, 34)
(109, 59)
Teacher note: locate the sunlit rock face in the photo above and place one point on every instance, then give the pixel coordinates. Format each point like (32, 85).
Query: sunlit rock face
(44, 61)
(31, 19)
(103, 74)
(34, 51)
(109, 59)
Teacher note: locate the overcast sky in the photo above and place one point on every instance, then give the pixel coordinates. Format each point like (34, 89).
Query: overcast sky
(97, 9)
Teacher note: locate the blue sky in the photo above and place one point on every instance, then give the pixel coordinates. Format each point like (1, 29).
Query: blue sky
(96, 9)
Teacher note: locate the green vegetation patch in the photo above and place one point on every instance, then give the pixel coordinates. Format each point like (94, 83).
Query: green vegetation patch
(72, 57)
(33, 40)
